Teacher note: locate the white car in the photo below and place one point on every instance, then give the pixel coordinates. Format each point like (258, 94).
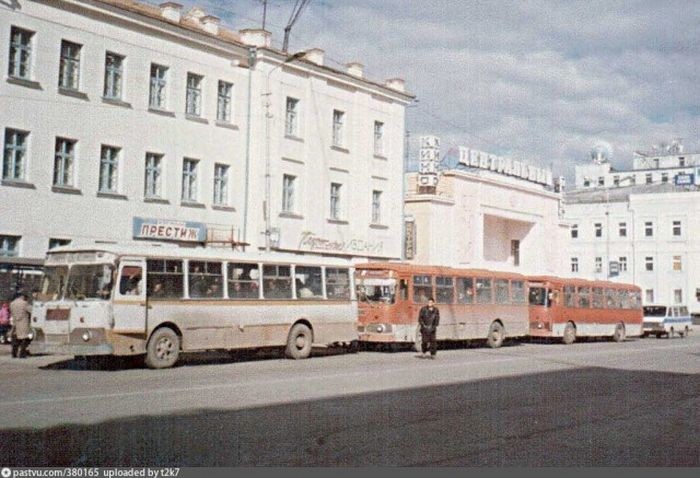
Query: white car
(666, 320)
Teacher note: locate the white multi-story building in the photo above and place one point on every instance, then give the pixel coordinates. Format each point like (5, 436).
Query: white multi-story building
(644, 233)
(118, 117)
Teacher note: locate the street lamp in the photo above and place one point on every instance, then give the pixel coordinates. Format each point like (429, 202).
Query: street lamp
(268, 117)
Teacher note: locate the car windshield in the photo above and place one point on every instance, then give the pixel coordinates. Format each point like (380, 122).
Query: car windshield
(538, 296)
(376, 290)
(90, 282)
(53, 283)
(654, 311)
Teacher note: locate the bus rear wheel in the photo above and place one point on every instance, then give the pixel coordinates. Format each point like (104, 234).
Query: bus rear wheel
(569, 336)
(163, 348)
(299, 342)
(619, 334)
(496, 335)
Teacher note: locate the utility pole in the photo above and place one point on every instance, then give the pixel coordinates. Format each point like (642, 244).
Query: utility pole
(296, 13)
(264, 13)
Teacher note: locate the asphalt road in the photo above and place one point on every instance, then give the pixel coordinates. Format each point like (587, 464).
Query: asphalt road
(530, 404)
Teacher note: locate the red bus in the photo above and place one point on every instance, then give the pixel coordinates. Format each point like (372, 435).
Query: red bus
(571, 308)
(473, 303)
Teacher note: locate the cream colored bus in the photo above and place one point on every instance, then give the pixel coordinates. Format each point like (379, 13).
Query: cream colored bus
(161, 301)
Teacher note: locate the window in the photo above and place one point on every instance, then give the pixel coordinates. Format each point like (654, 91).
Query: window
(649, 296)
(277, 282)
(193, 104)
(189, 179)
(598, 229)
(113, 76)
(574, 231)
(205, 280)
(20, 53)
(569, 296)
(664, 177)
(517, 292)
(648, 178)
(58, 242)
(422, 289)
(154, 173)
(483, 291)
(649, 229)
(64, 159)
(243, 281)
(291, 122)
(14, 157)
(337, 283)
(515, 251)
(597, 298)
(681, 162)
(601, 181)
(574, 264)
(633, 180)
(444, 290)
(378, 138)
(584, 297)
(220, 184)
(159, 77)
(598, 265)
(677, 296)
(623, 264)
(164, 279)
(223, 108)
(502, 291)
(69, 71)
(465, 288)
(623, 229)
(649, 263)
(677, 228)
(616, 180)
(130, 282)
(309, 283)
(586, 182)
(697, 294)
(338, 124)
(288, 193)
(9, 246)
(677, 263)
(376, 207)
(335, 200)
(109, 169)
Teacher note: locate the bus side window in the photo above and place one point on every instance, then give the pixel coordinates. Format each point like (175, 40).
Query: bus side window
(403, 289)
(422, 289)
(130, 281)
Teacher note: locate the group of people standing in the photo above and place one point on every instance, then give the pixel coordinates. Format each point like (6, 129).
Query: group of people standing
(15, 317)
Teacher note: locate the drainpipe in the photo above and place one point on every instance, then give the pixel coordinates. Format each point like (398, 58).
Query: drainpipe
(252, 57)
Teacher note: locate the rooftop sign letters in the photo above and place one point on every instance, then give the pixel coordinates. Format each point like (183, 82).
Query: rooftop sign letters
(507, 166)
(164, 230)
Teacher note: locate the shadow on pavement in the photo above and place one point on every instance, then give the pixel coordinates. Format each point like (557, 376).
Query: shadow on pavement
(583, 417)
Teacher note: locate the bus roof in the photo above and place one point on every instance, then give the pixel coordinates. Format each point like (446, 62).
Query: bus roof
(582, 282)
(406, 268)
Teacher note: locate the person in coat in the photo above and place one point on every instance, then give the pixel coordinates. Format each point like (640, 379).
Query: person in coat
(20, 310)
(429, 319)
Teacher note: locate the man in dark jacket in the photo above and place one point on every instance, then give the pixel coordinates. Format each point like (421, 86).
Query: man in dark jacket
(429, 319)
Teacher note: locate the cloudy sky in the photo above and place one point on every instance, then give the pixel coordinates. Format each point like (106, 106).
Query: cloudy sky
(538, 80)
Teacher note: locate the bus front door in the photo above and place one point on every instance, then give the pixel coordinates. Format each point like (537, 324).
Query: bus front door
(130, 306)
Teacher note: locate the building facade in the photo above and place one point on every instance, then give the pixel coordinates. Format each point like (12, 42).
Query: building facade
(643, 233)
(118, 118)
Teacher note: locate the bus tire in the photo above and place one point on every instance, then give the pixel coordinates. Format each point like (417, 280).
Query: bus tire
(354, 347)
(619, 334)
(163, 348)
(496, 335)
(569, 336)
(299, 342)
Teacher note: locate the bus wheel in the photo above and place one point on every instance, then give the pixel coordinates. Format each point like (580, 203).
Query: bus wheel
(163, 348)
(619, 334)
(569, 334)
(496, 335)
(299, 342)
(354, 347)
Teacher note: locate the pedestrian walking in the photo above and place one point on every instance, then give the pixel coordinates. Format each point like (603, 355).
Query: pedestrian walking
(429, 319)
(20, 310)
(4, 323)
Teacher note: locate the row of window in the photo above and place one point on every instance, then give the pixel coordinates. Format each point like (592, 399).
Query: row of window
(676, 229)
(9, 245)
(676, 264)
(650, 298)
(632, 179)
(468, 290)
(599, 298)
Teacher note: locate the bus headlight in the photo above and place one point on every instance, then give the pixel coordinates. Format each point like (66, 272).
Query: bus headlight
(87, 336)
(380, 328)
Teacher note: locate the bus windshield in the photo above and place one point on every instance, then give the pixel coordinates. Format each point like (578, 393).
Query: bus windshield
(53, 283)
(538, 296)
(90, 282)
(376, 290)
(655, 311)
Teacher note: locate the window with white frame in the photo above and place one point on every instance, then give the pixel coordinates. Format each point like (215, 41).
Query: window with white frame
(221, 184)
(20, 65)
(677, 263)
(158, 91)
(114, 74)
(338, 126)
(649, 229)
(64, 161)
(649, 263)
(189, 179)
(193, 105)
(664, 177)
(288, 183)
(648, 178)
(223, 110)
(69, 69)
(574, 264)
(378, 138)
(616, 180)
(15, 155)
(623, 264)
(9, 246)
(649, 296)
(601, 181)
(677, 229)
(335, 200)
(623, 229)
(109, 169)
(681, 162)
(291, 119)
(677, 296)
(574, 231)
(598, 265)
(598, 229)
(376, 207)
(153, 176)
(58, 242)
